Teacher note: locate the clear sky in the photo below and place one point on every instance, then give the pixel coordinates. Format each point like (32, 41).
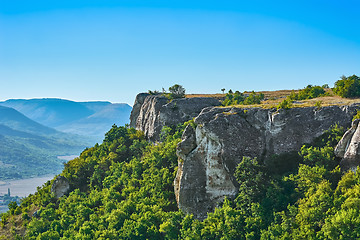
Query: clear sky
(112, 50)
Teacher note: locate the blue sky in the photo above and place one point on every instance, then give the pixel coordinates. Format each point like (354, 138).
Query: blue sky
(112, 50)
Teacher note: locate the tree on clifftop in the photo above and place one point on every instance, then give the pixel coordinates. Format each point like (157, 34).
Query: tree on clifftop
(348, 87)
(177, 91)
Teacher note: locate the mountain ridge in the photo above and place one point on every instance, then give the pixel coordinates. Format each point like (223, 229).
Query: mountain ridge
(14, 119)
(29, 148)
(92, 118)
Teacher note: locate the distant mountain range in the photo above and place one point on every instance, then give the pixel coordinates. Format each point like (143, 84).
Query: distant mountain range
(33, 133)
(28, 148)
(90, 119)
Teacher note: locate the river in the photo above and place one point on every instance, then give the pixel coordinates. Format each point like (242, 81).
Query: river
(23, 187)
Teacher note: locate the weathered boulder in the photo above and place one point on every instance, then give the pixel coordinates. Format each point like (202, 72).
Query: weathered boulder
(348, 148)
(60, 186)
(210, 153)
(152, 112)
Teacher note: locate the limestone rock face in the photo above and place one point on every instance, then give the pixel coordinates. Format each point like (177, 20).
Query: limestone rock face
(60, 186)
(152, 112)
(210, 153)
(148, 119)
(139, 101)
(349, 148)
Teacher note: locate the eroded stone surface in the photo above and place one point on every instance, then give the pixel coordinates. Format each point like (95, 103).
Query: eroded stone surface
(139, 101)
(348, 148)
(152, 112)
(225, 135)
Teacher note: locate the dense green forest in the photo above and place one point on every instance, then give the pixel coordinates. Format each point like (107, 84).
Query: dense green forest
(123, 189)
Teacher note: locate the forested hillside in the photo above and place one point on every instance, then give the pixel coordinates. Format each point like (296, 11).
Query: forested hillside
(123, 189)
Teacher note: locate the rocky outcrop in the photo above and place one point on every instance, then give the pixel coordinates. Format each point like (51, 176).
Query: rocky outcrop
(211, 149)
(60, 186)
(349, 148)
(135, 112)
(152, 112)
(210, 153)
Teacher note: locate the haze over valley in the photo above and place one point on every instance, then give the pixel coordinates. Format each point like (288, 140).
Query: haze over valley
(89, 119)
(35, 132)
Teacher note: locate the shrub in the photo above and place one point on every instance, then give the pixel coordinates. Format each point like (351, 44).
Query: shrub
(318, 104)
(176, 91)
(357, 115)
(253, 98)
(285, 104)
(12, 206)
(347, 87)
(309, 92)
(240, 98)
(155, 92)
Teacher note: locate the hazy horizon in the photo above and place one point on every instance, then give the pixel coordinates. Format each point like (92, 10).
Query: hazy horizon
(103, 101)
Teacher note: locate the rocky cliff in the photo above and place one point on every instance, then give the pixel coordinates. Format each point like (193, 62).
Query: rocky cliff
(348, 148)
(209, 153)
(152, 112)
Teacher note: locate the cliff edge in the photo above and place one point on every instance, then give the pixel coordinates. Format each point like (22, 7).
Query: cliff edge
(210, 151)
(152, 112)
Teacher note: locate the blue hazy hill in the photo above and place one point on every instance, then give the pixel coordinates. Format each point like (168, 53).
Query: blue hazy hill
(13, 119)
(90, 119)
(50, 112)
(28, 148)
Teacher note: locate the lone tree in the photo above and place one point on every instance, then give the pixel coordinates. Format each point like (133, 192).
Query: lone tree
(223, 90)
(177, 91)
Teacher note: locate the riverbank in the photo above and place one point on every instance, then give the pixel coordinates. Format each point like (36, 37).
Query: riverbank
(23, 187)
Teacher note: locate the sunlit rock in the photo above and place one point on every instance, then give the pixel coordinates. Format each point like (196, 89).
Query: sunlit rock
(348, 148)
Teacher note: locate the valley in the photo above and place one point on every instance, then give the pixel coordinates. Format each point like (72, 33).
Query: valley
(87, 119)
(38, 136)
(19, 189)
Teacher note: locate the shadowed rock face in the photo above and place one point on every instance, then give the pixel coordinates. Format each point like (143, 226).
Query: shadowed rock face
(60, 186)
(152, 112)
(348, 148)
(210, 153)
